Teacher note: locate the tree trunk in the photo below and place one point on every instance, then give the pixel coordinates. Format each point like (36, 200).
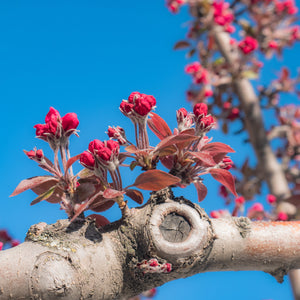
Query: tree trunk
(267, 162)
(166, 239)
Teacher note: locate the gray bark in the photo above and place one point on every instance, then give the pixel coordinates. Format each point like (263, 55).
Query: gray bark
(79, 261)
(269, 166)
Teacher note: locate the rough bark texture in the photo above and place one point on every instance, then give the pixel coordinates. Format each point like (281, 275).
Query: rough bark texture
(79, 261)
(269, 166)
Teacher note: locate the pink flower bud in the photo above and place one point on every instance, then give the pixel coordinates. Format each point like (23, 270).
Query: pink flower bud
(153, 262)
(1, 246)
(273, 45)
(234, 113)
(215, 214)
(282, 216)
(208, 93)
(257, 207)
(226, 105)
(70, 122)
(87, 160)
(133, 96)
(142, 106)
(52, 119)
(271, 199)
(111, 132)
(193, 68)
(200, 109)
(95, 146)
(239, 201)
(248, 45)
(223, 191)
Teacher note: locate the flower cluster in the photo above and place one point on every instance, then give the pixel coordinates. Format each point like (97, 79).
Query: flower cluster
(57, 129)
(138, 105)
(199, 73)
(248, 45)
(223, 15)
(174, 5)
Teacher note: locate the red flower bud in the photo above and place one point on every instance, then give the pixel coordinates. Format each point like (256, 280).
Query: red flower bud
(70, 122)
(150, 99)
(200, 109)
(215, 214)
(95, 146)
(142, 106)
(1, 246)
(126, 107)
(52, 119)
(87, 160)
(105, 153)
(31, 154)
(113, 146)
(193, 68)
(39, 153)
(41, 129)
(133, 96)
(207, 121)
(111, 132)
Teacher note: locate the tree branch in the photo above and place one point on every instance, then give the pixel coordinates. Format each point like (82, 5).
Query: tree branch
(78, 261)
(269, 166)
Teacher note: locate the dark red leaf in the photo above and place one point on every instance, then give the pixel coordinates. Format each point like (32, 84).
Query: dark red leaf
(111, 193)
(84, 191)
(43, 196)
(201, 190)
(33, 182)
(204, 157)
(155, 180)
(181, 45)
(218, 157)
(224, 177)
(159, 126)
(100, 204)
(181, 139)
(71, 161)
(217, 147)
(100, 220)
(135, 195)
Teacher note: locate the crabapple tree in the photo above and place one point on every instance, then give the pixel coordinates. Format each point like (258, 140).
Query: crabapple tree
(164, 238)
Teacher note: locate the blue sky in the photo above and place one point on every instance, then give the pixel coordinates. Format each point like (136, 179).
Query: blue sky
(84, 57)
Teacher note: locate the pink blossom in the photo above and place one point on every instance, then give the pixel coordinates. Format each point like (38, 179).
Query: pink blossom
(282, 216)
(31, 154)
(206, 122)
(273, 45)
(1, 246)
(208, 93)
(193, 68)
(271, 198)
(248, 45)
(39, 153)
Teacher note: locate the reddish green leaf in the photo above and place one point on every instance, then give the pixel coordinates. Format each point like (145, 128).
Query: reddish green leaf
(31, 183)
(224, 177)
(111, 193)
(131, 149)
(217, 147)
(159, 126)
(135, 195)
(84, 191)
(100, 220)
(204, 157)
(43, 196)
(201, 190)
(155, 180)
